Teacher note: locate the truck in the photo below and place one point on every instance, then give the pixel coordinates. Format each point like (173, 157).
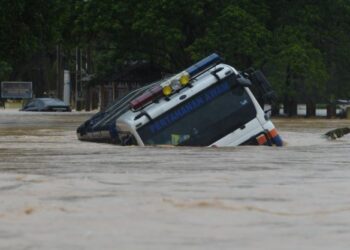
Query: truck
(208, 104)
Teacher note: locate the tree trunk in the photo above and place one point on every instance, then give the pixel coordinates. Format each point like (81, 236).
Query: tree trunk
(331, 110)
(285, 105)
(88, 98)
(293, 107)
(290, 106)
(310, 109)
(275, 109)
(102, 97)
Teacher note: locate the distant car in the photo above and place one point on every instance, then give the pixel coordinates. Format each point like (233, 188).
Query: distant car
(46, 104)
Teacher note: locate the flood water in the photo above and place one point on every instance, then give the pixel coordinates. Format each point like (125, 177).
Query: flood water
(57, 192)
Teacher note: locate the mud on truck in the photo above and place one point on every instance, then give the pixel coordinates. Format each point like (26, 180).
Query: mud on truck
(208, 104)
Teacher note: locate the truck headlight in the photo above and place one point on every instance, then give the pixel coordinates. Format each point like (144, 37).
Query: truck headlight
(184, 79)
(167, 90)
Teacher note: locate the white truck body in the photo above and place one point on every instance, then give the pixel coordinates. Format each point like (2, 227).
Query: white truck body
(167, 115)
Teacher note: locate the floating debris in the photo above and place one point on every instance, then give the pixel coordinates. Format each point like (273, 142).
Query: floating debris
(337, 133)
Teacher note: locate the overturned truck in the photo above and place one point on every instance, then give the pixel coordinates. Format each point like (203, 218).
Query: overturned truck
(208, 104)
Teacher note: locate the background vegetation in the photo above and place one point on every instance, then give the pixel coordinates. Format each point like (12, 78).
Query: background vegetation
(303, 46)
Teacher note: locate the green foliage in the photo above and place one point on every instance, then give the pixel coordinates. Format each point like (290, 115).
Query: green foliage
(303, 46)
(237, 35)
(5, 70)
(297, 68)
(27, 28)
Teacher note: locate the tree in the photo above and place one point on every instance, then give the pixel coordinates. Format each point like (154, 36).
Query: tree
(303, 46)
(236, 34)
(297, 66)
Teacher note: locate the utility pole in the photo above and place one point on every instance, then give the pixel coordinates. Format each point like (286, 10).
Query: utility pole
(78, 62)
(57, 69)
(76, 78)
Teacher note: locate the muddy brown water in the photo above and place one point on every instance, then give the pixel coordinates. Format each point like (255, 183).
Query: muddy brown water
(57, 192)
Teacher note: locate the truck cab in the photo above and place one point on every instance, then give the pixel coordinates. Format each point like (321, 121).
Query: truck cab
(208, 104)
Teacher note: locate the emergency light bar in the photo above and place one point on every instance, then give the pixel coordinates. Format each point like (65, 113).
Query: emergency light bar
(176, 82)
(203, 64)
(146, 97)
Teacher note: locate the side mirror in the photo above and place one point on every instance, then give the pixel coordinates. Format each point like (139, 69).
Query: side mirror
(259, 79)
(242, 81)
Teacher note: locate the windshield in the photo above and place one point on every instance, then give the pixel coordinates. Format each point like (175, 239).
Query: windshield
(202, 119)
(52, 101)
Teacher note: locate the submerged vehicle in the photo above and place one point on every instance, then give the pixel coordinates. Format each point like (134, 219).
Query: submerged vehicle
(46, 104)
(208, 104)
